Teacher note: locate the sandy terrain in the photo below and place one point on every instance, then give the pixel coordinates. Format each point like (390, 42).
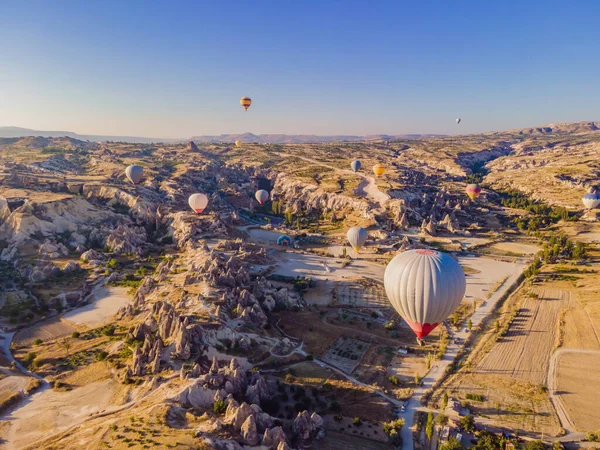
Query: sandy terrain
(517, 248)
(105, 302)
(46, 330)
(524, 352)
(49, 412)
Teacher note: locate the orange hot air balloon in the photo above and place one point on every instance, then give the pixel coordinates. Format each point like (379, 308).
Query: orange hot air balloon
(378, 169)
(238, 143)
(246, 102)
(473, 191)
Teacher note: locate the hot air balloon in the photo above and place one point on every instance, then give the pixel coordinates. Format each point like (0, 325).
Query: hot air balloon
(134, 173)
(246, 102)
(591, 201)
(473, 191)
(198, 202)
(284, 240)
(424, 287)
(355, 165)
(262, 196)
(357, 237)
(458, 120)
(238, 143)
(378, 169)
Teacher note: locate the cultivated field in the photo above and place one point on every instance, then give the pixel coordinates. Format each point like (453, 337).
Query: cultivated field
(45, 330)
(577, 384)
(524, 352)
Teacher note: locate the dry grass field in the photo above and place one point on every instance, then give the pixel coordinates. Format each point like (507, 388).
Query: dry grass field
(578, 379)
(524, 352)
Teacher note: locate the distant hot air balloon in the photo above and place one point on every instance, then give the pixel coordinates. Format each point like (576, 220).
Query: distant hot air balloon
(284, 240)
(134, 173)
(473, 191)
(246, 102)
(357, 237)
(198, 202)
(262, 196)
(458, 120)
(591, 201)
(424, 287)
(238, 143)
(378, 169)
(355, 165)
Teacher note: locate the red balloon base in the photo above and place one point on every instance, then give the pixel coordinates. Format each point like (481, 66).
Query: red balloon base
(421, 329)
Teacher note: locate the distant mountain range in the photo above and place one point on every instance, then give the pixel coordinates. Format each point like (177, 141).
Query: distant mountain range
(12, 132)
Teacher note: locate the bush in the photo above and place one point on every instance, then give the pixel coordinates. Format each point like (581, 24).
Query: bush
(219, 407)
(38, 341)
(76, 335)
(101, 356)
(475, 397)
(356, 422)
(112, 264)
(108, 330)
(394, 380)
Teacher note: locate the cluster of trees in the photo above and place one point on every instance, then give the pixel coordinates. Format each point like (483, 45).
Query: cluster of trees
(392, 429)
(542, 215)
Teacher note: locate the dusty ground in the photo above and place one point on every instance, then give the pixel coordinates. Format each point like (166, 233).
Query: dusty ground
(106, 301)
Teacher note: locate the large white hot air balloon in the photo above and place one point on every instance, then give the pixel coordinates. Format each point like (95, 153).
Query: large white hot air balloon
(134, 173)
(262, 196)
(357, 237)
(198, 202)
(591, 201)
(425, 287)
(355, 165)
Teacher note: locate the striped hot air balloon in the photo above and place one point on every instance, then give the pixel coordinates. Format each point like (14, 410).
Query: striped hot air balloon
(284, 239)
(355, 165)
(378, 169)
(473, 191)
(591, 201)
(246, 102)
(424, 287)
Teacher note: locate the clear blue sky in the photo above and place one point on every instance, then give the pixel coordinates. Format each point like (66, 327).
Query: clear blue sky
(177, 68)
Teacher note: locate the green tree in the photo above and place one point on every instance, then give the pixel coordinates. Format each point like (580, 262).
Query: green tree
(442, 419)
(467, 423)
(470, 324)
(344, 252)
(417, 378)
(534, 445)
(452, 444)
(66, 343)
(289, 217)
(445, 401)
(429, 426)
(219, 407)
(558, 446)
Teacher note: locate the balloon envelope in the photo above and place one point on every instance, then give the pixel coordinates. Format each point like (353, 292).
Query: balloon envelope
(284, 239)
(473, 191)
(238, 144)
(378, 169)
(591, 201)
(355, 166)
(357, 237)
(246, 102)
(198, 202)
(134, 173)
(425, 287)
(458, 120)
(262, 196)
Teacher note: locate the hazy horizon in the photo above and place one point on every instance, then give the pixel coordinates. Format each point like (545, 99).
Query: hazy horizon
(149, 69)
